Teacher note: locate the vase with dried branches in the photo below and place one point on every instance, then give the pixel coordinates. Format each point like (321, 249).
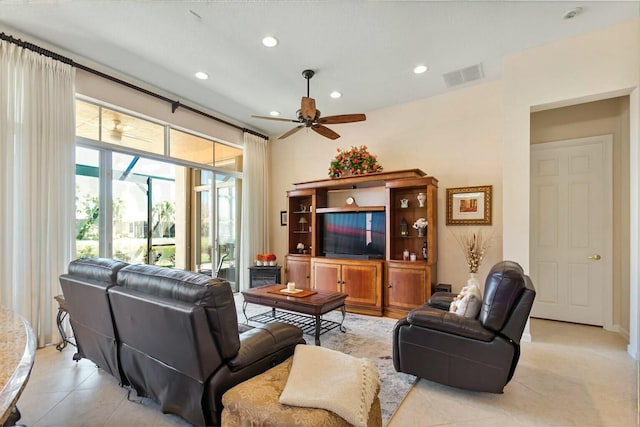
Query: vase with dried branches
(474, 245)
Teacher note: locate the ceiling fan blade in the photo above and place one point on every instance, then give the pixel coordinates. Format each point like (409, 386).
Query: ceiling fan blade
(325, 131)
(291, 132)
(343, 118)
(308, 108)
(276, 118)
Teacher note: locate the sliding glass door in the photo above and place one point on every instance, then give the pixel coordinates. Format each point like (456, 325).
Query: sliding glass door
(216, 225)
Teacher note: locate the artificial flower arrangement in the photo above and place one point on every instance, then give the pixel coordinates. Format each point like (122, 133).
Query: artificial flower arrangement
(266, 259)
(474, 247)
(355, 161)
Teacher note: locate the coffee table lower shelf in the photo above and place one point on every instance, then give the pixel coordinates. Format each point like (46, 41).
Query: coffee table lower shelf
(309, 324)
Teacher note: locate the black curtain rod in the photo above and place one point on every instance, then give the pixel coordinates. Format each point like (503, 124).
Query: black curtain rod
(174, 104)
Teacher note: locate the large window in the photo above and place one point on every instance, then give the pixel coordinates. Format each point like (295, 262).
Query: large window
(144, 193)
(87, 202)
(144, 207)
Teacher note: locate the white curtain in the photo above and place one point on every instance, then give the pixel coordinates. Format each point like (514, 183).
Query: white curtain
(255, 203)
(37, 158)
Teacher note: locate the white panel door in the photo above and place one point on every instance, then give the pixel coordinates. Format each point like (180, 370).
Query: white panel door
(571, 229)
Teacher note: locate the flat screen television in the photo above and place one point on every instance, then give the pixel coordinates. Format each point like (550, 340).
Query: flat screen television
(353, 234)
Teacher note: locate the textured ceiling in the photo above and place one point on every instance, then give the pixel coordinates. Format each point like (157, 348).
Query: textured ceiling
(364, 49)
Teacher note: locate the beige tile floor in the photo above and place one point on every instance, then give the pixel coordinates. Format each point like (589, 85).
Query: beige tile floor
(570, 375)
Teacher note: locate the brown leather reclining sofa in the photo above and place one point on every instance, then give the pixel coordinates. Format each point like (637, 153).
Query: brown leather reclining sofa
(171, 335)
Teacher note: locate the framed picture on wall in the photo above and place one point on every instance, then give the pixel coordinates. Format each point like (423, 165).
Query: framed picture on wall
(469, 205)
(284, 218)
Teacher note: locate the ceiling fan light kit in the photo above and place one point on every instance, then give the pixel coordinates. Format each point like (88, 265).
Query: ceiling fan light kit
(310, 117)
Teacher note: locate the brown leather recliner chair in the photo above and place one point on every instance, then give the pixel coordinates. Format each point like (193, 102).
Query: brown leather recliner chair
(85, 290)
(180, 344)
(476, 354)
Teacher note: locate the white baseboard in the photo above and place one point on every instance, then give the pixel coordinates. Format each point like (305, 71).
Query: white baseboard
(620, 331)
(633, 352)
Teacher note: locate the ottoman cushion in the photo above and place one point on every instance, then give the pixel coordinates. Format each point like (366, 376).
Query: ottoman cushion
(255, 402)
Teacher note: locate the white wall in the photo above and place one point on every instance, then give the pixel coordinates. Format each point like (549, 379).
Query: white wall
(455, 137)
(592, 66)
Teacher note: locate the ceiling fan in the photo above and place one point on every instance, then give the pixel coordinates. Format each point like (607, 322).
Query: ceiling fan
(309, 116)
(121, 130)
(117, 131)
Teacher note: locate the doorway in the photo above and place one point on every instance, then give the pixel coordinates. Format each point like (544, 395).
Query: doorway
(571, 229)
(611, 116)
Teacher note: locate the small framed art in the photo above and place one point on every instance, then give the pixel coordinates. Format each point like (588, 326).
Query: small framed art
(469, 205)
(284, 218)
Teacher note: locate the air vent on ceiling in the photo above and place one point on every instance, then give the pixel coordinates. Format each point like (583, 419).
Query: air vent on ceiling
(463, 75)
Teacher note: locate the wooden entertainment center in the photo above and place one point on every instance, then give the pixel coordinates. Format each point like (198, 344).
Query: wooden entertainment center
(389, 284)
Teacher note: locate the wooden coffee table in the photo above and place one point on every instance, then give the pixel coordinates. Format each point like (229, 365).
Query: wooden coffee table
(307, 310)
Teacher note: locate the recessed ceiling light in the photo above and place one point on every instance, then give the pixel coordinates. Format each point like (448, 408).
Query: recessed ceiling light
(202, 75)
(420, 69)
(335, 94)
(270, 41)
(274, 113)
(572, 13)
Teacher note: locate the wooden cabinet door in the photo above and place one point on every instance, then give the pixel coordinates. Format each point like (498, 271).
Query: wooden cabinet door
(362, 283)
(325, 276)
(298, 271)
(407, 287)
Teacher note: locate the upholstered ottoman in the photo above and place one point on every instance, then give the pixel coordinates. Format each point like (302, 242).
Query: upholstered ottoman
(255, 402)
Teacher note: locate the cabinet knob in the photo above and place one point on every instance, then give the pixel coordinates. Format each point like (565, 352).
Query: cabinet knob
(389, 286)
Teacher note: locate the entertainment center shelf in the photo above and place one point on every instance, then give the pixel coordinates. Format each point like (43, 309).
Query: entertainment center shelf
(377, 256)
(352, 209)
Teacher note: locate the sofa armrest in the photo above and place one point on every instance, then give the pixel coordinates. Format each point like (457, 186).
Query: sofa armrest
(441, 300)
(260, 342)
(451, 323)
